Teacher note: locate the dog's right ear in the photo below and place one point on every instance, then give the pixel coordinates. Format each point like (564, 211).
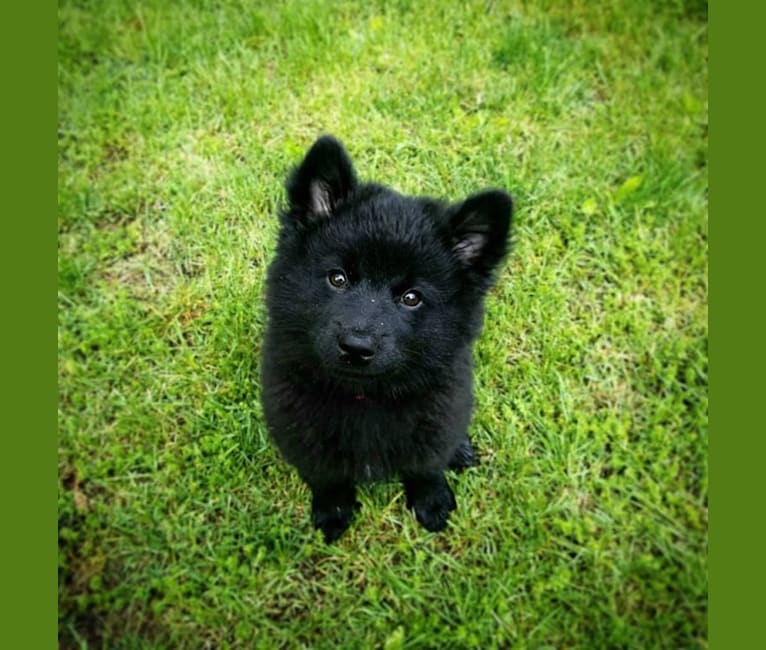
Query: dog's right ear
(324, 179)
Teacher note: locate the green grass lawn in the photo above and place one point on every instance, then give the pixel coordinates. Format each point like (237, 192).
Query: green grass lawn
(586, 524)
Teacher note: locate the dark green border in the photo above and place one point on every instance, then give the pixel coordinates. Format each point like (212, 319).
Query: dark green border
(736, 567)
(29, 440)
(29, 341)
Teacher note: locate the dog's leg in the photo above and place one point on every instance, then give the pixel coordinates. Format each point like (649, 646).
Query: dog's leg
(431, 499)
(332, 507)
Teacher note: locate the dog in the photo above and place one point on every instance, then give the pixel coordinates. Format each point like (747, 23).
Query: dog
(374, 300)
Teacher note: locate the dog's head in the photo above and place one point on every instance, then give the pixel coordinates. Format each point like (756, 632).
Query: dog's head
(373, 286)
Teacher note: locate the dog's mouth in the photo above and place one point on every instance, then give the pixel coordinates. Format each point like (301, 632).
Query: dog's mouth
(362, 384)
(351, 373)
(360, 380)
(349, 367)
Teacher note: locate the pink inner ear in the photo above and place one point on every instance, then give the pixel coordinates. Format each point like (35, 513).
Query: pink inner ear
(470, 245)
(320, 197)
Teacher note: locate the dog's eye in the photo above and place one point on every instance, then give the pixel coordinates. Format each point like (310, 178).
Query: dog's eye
(337, 278)
(411, 298)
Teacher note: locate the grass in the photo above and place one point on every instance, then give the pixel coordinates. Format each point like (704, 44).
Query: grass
(586, 524)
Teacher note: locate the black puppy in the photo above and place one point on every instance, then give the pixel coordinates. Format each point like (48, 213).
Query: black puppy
(374, 300)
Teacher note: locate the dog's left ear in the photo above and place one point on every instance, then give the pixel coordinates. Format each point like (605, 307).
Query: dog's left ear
(322, 181)
(479, 230)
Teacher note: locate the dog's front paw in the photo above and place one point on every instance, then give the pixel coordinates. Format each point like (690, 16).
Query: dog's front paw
(432, 500)
(332, 508)
(332, 521)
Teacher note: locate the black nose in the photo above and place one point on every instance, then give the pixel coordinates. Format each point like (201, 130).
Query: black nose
(359, 348)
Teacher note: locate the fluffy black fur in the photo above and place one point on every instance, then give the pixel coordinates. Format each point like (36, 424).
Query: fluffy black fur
(374, 301)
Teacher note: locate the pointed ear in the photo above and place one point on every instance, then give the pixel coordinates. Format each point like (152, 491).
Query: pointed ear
(322, 181)
(479, 228)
